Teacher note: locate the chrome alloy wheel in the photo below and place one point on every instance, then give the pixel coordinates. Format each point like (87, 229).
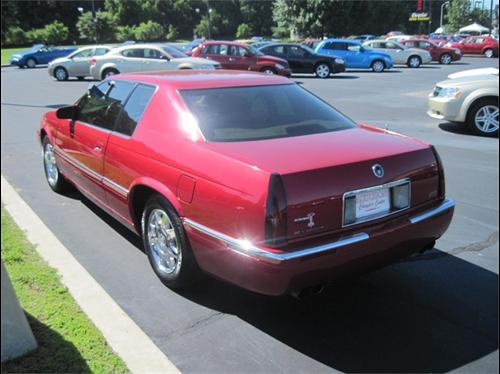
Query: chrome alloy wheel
(378, 66)
(414, 62)
(486, 119)
(446, 59)
(61, 74)
(488, 53)
(163, 241)
(322, 71)
(49, 162)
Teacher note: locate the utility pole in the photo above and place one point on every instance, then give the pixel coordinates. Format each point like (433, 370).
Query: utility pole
(442, 12)
(491, 18)
(430, 17)
(94, 19)
(208, 15)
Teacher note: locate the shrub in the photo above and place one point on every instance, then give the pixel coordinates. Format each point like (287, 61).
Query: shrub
(150, 30)
(36, 36)
(172, 33)
(103, 30)
(244, 31)
(124, 33)
(55, 33)
(15, 36)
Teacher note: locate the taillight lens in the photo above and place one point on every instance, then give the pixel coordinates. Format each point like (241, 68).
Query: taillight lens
(276, 217)
(442, 184)
(93, 62)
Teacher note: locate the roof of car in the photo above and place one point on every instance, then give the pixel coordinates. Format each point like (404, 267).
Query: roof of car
(224, 42)
(342, 40)
(200, 79)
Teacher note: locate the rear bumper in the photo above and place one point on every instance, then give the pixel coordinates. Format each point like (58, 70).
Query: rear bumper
(271, 272)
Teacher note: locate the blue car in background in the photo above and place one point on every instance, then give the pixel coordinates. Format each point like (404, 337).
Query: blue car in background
(39, 54)
(355, 55)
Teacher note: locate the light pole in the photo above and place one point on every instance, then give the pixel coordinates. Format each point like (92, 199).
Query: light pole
(442, 9)
(209, 10)
(491, 18)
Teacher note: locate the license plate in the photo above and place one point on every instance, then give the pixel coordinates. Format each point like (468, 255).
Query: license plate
(373, 202)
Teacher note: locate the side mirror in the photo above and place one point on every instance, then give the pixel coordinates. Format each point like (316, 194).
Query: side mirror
(163, 57)
(248, 54)
(67, 112)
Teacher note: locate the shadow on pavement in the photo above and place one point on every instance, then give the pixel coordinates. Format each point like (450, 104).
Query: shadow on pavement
(433, 314)
(54, 354)
(457, 128)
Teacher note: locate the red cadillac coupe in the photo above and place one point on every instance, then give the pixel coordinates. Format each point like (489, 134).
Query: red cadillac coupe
(246, 176)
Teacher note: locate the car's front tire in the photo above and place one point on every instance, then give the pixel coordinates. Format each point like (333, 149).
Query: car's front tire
(268, 70)
(482, 117)
(488, 53)
(414, 62)
(30, 63)
(109, 72)
(166, 244)
(54, 178)
(322, 70)
(61, 74)
(378, 66)
(445, 59)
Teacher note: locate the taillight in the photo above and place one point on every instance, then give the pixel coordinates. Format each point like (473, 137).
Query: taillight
(442, 184)
(93, 61)
(276, 225)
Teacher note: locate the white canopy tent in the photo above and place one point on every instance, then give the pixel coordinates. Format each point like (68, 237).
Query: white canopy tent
(474, 28)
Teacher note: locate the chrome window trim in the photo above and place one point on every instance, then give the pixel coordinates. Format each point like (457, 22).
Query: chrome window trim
(108, 182)
(247, 249)
(380, 186)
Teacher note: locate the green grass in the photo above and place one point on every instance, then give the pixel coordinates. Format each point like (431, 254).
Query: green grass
(7, 52)
(67, 340)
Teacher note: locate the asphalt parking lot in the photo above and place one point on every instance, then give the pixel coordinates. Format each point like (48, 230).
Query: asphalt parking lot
(433, 313)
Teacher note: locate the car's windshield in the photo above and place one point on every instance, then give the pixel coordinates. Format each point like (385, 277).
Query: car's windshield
(261, 112)
(255, 50)
(173, 52)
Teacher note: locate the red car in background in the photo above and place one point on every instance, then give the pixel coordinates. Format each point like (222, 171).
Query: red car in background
(247, 177)
(477, 45)
(443, 55)
(239, 56)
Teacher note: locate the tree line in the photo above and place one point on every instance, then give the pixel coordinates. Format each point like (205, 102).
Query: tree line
(72, 22)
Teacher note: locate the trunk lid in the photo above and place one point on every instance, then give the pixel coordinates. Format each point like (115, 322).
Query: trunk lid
(318, 169)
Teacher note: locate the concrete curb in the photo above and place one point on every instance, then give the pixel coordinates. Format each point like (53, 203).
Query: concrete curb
(6, 66)
(123, 335)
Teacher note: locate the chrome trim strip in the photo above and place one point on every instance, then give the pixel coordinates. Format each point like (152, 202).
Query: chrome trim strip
(108, 182)
(383, 215)
(441, 208)
(245, 248)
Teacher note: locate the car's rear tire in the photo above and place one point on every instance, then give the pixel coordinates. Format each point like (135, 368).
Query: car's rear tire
(109, 72)
(268, 70)
(30, 63)
(414, 62)
(445, 59)
(61, 74)
(482, 117)
(488, 53)
(54, 178)
(166, 244)
(322, 70)
(378, 66)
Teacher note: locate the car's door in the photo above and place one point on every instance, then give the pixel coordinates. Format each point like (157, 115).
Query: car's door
(356, 57)
(476, 46)
(119, 160)
(240, 58)
(154, 60)
(302, 59)
(398, 54)
(217, 52)
(80, 63)
(130, 60)
(431, 48)
(82, 143)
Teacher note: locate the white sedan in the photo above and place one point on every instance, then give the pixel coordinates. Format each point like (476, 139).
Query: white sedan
(412, 57)
(145, 57)
(76, 64)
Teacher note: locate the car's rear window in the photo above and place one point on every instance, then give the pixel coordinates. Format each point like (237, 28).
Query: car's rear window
(261, 112)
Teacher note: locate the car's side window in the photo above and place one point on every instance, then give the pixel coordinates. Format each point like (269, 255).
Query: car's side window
(354, 47)
(101, 105)
(152, 53)
(296, 51)
(410, 44)
(338, 46)
(391, 46)
(133, 53)
(84, 53)
(479, 40)
(212, 49)
(425, 45)
(100, 51)
(134, 109)
(279, 49)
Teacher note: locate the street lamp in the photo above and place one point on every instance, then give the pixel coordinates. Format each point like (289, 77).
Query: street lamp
(442, 8)
(209, 10)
